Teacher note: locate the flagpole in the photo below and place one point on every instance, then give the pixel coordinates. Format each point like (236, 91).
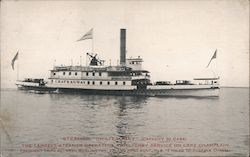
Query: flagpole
(93, 43)
(86, 62)
(216, 68)
(17, 69)
(80, 60)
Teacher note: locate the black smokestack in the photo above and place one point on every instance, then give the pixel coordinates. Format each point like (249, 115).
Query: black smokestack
(123, 47)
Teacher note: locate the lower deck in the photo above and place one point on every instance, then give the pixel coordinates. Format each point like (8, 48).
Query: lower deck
(132, 90)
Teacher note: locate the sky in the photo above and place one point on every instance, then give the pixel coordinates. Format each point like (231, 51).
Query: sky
(176, 39)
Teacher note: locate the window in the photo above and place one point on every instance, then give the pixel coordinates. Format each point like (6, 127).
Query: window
(58, 81)
(77, 81)
(87, 74)
(93, 74)
(67, 81)
(51, 81)
(63, 73)
(71, 81)
(88, 82)
(54, 73)
(100, 82)
(69, 73)
(93, 82)
(124, 83)
(75, 73)
(116, 82)
(108, 83)
(100, 74)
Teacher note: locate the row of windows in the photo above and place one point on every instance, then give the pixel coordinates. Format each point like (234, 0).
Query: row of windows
(100, 74)
(87, 82)
(135, 62)
(87, 73)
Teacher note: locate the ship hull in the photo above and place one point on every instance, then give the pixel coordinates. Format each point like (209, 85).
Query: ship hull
(177, 91)
(209, 92)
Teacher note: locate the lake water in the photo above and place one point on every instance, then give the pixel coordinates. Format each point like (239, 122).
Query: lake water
(74, 125)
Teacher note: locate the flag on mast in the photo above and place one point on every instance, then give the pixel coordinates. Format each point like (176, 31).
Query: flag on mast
(13, 60)
(214, 57)
(88, 35)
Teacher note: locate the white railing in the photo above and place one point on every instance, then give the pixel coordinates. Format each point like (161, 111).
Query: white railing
(79, 68)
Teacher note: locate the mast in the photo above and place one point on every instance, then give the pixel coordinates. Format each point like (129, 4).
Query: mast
(89, 35)
(216, 67)
(13, 64)
(213, 57)
(80, 60)
(93, 42)
(17, 77)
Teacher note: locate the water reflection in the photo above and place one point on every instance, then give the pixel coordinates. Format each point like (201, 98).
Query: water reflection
(126, 122)
(46, 118)
(118, 114)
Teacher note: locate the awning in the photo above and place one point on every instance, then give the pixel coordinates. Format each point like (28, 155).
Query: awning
(215, 78)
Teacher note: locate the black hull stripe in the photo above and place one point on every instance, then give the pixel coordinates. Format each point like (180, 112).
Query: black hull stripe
(149, 92)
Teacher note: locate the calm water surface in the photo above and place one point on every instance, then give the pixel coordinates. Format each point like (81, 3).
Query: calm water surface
(29, 118)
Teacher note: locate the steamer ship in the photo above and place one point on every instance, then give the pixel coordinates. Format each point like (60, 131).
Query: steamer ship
(127, 78)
